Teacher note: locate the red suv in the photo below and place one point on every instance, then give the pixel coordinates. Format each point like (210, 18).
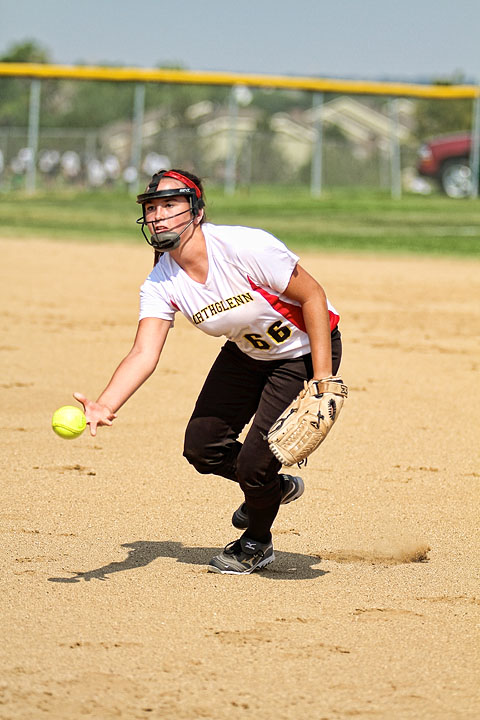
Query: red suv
(446, 159)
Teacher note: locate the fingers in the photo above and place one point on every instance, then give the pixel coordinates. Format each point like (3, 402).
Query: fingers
(81, 399)
(90, 421)
(95, 413)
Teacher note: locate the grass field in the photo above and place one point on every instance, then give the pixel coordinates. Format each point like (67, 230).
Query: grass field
(343, 220)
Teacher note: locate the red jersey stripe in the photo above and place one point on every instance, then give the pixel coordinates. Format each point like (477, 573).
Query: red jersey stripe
(292, 313)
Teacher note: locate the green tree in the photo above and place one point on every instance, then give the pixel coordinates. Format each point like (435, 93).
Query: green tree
(276, 101)
(15, 92)
(435, 117)
(176, 99)
(91, 104)
(26, 51)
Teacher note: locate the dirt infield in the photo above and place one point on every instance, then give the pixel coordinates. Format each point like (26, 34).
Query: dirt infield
(372, 607)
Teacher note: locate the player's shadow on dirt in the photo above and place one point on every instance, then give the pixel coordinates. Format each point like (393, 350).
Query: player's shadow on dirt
(287, 566)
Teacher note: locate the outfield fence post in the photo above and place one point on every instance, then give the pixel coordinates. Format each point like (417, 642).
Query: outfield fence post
(33, 126)
(231, 158)
(137, 133)
(90, 145)
(475, 148)
(317, 154)
(395, 160)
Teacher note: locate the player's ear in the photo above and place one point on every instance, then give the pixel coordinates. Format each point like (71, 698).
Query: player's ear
(199, 217)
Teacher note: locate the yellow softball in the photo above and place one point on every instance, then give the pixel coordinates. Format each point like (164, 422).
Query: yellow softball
(69, 422)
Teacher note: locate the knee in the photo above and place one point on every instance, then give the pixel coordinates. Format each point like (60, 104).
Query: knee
(262, 488)
(194, 447)
(247, 472)
(210, 446)
(251, 473)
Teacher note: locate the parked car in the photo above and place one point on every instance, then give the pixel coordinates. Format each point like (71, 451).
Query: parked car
(446, 159)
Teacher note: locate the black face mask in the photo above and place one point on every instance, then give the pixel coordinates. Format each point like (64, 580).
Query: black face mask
(170, 239)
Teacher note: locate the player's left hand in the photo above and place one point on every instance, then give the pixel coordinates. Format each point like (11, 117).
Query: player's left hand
(306, 422)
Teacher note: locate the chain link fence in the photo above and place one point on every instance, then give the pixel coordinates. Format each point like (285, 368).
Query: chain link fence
(332, 141)
(86, 159)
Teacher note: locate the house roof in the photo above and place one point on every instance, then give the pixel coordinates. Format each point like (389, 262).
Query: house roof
(358, 120)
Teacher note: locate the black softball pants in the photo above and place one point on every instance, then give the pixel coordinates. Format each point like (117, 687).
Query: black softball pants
(237, 389)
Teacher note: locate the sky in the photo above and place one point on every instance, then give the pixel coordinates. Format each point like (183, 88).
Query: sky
(411, 40)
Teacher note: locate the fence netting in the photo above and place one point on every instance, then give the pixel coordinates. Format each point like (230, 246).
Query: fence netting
(110, 135)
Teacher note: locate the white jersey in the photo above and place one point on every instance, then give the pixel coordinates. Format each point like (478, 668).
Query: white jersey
(242, 298)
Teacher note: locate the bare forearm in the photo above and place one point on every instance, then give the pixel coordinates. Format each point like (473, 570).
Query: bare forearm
(132, 372)
(317, 324)
(127, 378)
(305, 290)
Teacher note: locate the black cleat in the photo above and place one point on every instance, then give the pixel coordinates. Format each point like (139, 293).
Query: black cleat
(242, 557)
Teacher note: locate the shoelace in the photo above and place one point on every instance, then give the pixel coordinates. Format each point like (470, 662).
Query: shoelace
(235, 548)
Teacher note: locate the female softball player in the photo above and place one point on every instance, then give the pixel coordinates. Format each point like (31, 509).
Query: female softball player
(244, 284)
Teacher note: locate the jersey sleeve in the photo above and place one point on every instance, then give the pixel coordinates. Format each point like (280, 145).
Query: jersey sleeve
(267, 261)
(154, 301)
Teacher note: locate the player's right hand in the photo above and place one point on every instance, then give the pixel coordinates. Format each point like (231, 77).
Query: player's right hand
(95, 413)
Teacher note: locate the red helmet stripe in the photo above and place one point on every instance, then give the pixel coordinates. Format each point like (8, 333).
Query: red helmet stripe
(186, 181)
